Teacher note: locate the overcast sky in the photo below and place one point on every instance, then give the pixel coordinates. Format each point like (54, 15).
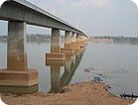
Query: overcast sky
(94, 17)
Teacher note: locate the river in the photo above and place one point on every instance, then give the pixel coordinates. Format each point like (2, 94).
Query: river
(115, 64)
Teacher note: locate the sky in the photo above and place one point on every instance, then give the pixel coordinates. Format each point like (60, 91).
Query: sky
(93, 17)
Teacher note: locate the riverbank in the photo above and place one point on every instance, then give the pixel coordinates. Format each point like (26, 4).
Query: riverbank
(88, 93)
(114, 39)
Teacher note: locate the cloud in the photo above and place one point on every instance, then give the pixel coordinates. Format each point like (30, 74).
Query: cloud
(83, 3)
(90, 3)
(61, 2)
(135, 1)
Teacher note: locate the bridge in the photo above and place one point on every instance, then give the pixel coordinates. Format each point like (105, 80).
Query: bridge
(18, 13)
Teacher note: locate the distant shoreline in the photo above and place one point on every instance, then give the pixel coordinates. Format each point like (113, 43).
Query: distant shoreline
(39, 38)
(111, 39)
(31, 38)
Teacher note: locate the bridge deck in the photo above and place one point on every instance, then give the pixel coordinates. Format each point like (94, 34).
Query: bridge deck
(21, 10)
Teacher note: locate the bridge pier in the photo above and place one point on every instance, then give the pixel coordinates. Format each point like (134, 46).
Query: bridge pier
(55, 41)
(80, 42)
(55, 79)
(17, 72)
(67, 39)
(16, 46)
(56, 54)
(67, 44)
(83, 41)
(74, 45)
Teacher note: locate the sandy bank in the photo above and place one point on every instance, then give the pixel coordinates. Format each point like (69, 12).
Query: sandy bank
(78, 94)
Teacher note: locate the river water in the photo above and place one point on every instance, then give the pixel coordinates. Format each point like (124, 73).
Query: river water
(115, 64)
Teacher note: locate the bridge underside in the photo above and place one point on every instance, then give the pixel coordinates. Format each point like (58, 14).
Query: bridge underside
(19, 14)
(16, 10)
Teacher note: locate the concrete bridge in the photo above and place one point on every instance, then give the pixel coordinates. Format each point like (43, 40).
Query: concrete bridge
(18, 13)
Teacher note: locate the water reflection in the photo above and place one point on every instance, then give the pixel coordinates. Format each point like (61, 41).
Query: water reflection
(70, 64)
(17, 63)
(110, 60)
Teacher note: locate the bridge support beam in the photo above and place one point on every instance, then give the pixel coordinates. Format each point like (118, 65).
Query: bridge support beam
(56, 54)
(17, 72)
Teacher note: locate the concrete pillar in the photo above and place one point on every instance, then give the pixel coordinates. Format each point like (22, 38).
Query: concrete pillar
(80, 41)
(73, 37)
(85, 40)
(67, 39)
(78, 37)
(67, 44)
(75, 42)
(17, 55)
(17, 72)
(55, 54)
(55, 41)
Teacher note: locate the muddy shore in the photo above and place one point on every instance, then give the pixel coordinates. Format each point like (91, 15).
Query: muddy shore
(88, 93)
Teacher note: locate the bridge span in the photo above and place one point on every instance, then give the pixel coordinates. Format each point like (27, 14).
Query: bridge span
(18, 13)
